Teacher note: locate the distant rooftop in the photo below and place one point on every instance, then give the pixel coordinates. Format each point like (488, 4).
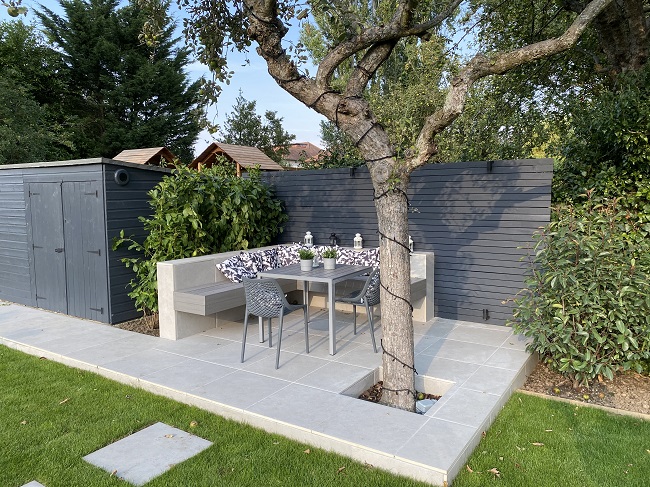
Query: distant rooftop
(243, 156)
(151, 156)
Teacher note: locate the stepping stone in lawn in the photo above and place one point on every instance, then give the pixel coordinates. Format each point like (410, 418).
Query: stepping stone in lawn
(33, 483)
(150, 452)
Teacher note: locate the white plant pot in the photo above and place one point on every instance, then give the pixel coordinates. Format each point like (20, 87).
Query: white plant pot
(329, 264)
(306, 264)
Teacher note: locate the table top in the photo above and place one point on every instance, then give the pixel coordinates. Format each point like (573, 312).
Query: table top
(316, 274)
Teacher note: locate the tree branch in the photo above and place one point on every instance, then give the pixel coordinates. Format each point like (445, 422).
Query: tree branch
(365, 69)
(398, 28)
(481, 66)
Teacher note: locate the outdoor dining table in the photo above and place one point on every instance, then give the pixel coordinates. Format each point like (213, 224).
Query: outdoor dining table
(319, 274)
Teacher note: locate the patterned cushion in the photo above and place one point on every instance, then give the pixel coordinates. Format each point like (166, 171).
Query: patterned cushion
(288, 254)
(260, 260)
(252, 261)
(368, 257)
(346, 255)
(235, 270)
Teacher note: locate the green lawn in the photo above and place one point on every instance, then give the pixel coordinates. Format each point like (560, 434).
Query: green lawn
(539, 442)
(52, 415)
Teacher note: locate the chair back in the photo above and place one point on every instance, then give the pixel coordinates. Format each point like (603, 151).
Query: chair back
(371, 290)
(264, 297)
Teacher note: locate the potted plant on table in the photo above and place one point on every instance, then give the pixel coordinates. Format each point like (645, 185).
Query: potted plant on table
(329, 259)
(306, 259)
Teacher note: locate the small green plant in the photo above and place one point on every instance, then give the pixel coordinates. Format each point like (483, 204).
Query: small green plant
(305, 254)
(587, 302)
(329, 253)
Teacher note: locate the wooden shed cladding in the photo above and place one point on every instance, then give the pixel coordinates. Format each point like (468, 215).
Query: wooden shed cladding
(57, 229)
(475, 216)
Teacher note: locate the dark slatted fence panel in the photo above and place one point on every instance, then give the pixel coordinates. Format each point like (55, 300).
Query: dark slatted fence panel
(475, 216)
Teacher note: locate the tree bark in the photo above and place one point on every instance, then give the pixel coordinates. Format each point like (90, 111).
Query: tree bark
(396, 311)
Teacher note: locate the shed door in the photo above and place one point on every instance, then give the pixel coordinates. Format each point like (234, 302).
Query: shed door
(49, 249)
(85, 250)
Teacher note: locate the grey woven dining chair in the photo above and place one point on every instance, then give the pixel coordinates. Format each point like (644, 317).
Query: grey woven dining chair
(368, 297)
(265, 299)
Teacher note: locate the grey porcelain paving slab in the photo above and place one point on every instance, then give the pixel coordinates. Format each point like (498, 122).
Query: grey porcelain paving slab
(467, 407)
(352, 420)
(493, 380)
(240, 389)
(484, 336)
(188, 375)
(230, 354)
(467, 352)
(33, 483)
(150, 452)
(114, 350)
(362, 356)
(146, 362)
(442, 368)
(293, 366)
(508, 359)
(334, 376)
(193, 346)
(437, 443)
(516, 342)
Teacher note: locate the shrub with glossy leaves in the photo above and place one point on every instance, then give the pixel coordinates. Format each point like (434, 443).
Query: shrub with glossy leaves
(199, 213)
(587, 302)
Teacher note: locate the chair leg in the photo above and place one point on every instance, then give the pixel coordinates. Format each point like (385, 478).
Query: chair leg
(372, 327)
(277, 354)
(270, 334)
(354, 312)
(306, 332)
(243, 340)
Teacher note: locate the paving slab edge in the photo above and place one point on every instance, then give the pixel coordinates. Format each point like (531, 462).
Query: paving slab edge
(620, 412)
(390, 463)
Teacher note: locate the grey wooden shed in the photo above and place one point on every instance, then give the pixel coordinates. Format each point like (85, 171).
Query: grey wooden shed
(57, 224)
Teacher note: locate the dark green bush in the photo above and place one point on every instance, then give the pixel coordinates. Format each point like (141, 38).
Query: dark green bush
(199, 213)
(587, 302)
(607, 150)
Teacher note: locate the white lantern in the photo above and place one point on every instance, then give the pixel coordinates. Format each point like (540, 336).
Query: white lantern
(309, 240)
(358, 242)
(410, 244)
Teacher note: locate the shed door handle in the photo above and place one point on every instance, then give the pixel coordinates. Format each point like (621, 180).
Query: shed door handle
(59, 250)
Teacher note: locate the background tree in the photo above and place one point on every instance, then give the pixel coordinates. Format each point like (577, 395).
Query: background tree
(32, 126)
(369, 44)
(123, 93)
(339, 150)
(243, 126)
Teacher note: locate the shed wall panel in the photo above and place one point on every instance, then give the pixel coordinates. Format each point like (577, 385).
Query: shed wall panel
(473, 218)
(15, 282)
(124, 205)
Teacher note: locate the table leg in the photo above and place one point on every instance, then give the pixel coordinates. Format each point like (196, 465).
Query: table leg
(261, 325)
(332, 318)
(305, 296)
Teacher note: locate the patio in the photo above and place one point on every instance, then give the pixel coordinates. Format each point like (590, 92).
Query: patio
(474, 366)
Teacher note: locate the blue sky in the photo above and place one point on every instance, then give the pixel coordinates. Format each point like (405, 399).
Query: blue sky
(252, 79)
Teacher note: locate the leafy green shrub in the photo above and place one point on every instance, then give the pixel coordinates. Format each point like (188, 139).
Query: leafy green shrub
(587, 302)
(199, 213)
(607, 149)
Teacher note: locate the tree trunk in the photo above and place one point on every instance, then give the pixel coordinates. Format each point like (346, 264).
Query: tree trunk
(396, 311)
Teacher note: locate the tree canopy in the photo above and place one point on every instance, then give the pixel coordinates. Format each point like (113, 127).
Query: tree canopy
(244, 126)
(123, 94)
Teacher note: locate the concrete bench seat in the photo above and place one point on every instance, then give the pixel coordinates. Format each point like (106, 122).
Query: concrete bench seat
(219, 296)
